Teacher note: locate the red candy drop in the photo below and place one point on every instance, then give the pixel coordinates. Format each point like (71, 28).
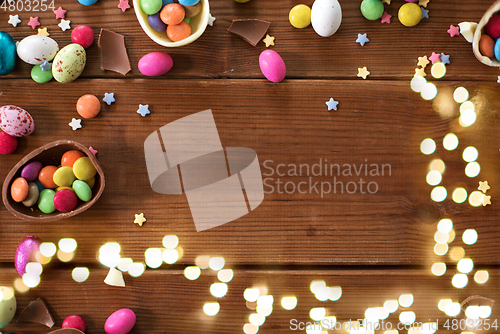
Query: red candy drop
(83, 35)
(65, 200)
(74, 321)
(8, 143)
(492, 28)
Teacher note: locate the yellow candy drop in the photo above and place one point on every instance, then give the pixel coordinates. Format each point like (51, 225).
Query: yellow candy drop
(84, 169)
(410, 14)
(300, 16)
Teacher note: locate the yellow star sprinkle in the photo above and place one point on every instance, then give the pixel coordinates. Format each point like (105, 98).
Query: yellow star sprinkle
(139, 219)
(419, 72)
(269, 40)
(423, 3)
(386, 1)
(43, 32)
(363, 72)
(423, 61)
(485, 200)
(483, 186)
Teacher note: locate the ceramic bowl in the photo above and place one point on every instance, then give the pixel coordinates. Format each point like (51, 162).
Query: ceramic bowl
(495, 8)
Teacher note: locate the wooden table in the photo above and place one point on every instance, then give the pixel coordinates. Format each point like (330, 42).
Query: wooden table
(375, 246)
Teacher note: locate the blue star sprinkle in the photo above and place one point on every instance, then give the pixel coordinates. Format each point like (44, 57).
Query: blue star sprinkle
(425, 13)
(332, 104)
(445, 59)
(109, 98)
(362, 39)
(46, 66)
(143, 110)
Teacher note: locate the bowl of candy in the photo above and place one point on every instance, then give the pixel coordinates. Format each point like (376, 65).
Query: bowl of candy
(487, 32)
(172, 24)
(56, 181)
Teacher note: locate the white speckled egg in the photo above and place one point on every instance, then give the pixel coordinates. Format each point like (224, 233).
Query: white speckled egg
(69, 63)
(8, 305)
(36, 49)
(16, 121)
(326, 16)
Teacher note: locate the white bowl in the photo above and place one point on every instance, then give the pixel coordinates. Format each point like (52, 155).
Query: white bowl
(198, 25)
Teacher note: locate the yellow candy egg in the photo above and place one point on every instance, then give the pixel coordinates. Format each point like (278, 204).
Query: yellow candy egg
(300, 16)
(84, 169)
(8, 305)
(410, 14)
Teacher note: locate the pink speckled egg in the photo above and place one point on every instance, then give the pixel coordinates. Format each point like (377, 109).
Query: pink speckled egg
(16, 121)
(272, 66)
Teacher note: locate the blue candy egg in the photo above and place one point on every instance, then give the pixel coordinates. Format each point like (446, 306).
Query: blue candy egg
(87, 2)
(497, 49)
(156, 23)
(188, 2)
(8, 54)
(166, 2)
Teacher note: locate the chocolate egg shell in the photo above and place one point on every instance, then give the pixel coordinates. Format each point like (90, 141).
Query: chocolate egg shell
(16, 121)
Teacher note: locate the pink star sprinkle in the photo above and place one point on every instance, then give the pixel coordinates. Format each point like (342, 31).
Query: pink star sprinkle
(386, 18)
(454, 31)
(91, 149)
(60, 13)
(124, 5)
(435, 57)
(34, 22)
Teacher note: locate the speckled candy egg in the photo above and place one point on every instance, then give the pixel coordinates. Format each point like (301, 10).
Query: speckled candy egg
(69, 63)
(8, 305)
(326, 16)
(16, 121)
(36, 49)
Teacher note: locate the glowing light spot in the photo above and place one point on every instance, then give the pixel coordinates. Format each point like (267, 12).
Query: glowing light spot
(475, 198)
(34, 268)
(250, 329)
(80, 274)
(439, 268)
(192, 273)
(452, 309)
(472, 312)
(211, 309)
(467, 105)
(251, 294)
(136, 269)
(48, 249)
(418, 83)
(170, 241)
(438, 194)
(322, 294)
(317, 284)
(256, 319)
(441, 249)
(460, 95)
(451, 236)
(407, 317)
(459, 195)
(262, 290)
(335, 293)
(30, 280)
(472, 169)
(216, 263)
(65, 257)
(459, 281)
(225, 275)
(465, 266)
(218, 290)
(428, 146)
(317, 313)
(467, 118)
(202, 261)
(429, 327)
(42, 259)
(154, 257)
(481, 276)
(438, 70)
(484, 311)
(20, 286)
(251, 305)
(457, 253)
(391, 305)
(443, 303)
(437, 165)
(450, 142)
(470, 154)
(264, 311)
(289, 303)
(434, 178)
(109, 254)
(441, 238)
(373, 314)
(124, 264)
(406, 300)
(429, 91)
(445, 225)
(329, 323)
(67, 245)
(110, 247)
(469, 237)
(170, 256)
(265, 301)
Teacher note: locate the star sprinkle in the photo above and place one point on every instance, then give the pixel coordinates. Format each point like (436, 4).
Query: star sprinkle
(445, 59)
(14, 20)
(425, 13)
(124, 5)
(498, 79)
(386, 18)
(75, 124)
(419, 72)
(453, 31)
(483, 186)
(109, 98)
(64, 25)
(362, 39)
(92, 150)
(423, 61)
(423, 3)
(46, 66)
(60, 13)
(435, 57)
(269, 40)
(43, 32)
(486, 200)
(386, 1)
(139, 219)
(211, 20)
(332, 104)
(363, 72)
(34, 22)
(143, 110)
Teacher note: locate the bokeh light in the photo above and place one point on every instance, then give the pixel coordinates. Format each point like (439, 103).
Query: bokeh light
(450, 141)
(211, 309)
(434, 178)
(192, 272)
(428, 146)
(218, 290)
(391, 305)
(225, 275)
(459, 195)
(317, 313)
(465, 266)
(461, 95)
(438, 194)
(406, 300)
(440, 249)
(48, 249)
(251, 294)
(216, 263)
(470, 154)
(335, 293)
(124, 264)
(80, 274)
(256, 319)
(418, 83)
(170, 241)
(65, 257)
(136, 269)
(469, 237)
(250, 329)
(452, 309)
(443, 303)
(445, 225)
(467, 118)
(289, 303)
(67, 245)
(481, 276)
(429, 91)
(459, 281)
(438, 268)
(170, 256)
(20, 286)
(438, 70)
(472, 169)
(153, 257)
(457, 253)
(202, 261)
(407, 317)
